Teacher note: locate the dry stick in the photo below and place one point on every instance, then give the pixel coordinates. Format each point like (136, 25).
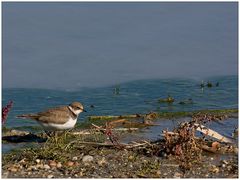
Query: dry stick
(129, 146)
(112, 117)
(100, 128)
(92, 143)
(212, 133)
(108, 132)
(205, 131)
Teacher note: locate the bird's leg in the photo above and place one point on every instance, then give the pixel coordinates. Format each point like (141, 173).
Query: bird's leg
(48, 133)
(66, 133)
(56, 136)
(52, 134)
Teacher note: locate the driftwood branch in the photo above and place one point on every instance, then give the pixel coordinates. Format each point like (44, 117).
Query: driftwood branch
(212, 133)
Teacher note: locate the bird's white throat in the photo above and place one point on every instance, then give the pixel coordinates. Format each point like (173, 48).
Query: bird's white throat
(76, 112)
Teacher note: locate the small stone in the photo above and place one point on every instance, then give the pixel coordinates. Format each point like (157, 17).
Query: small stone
(87, 158)
(5, 175)
(158, 172)
(40, 166)
(52, 164)
(22, 161)
(33, 168)
(80, 174)
(229, 167)
(13, 169)
(214, 169)
(59, 165)
(69, 163)
(211, 158)
(46, 166)
(224, 162)
(102, 162)
(38, 161)
(75, 158)
(50, 176)
(177, 175)
(130, 157)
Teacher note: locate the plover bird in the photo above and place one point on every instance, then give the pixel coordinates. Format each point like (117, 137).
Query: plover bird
(57, 119)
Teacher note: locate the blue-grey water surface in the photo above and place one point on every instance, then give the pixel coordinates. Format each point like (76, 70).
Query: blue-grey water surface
(134, 97)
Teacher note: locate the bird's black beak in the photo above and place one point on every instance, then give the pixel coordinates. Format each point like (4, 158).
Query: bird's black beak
(84, 110)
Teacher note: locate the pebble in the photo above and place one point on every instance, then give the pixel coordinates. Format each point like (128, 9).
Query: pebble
(177, 175)
(102, 162)
(46, 166)
(158, 172)
(130, 157)
(22, 161)
(39, 166)
(5, 175)
(50, 176)
(87, 158)
(75, 158)
(69, 163)
(38, 161)
(80, 174)
(229, 167)
(59, 165)
(52, 164)
(224, 162)
(34, 168)
(214, 169)
(13, 169)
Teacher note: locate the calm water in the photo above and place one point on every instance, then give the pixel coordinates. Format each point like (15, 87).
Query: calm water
(135, 97)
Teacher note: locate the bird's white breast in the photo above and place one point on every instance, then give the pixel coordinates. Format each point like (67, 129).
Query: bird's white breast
(52, 126)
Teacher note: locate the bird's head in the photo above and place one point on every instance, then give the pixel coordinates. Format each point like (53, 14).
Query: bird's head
(77, 108)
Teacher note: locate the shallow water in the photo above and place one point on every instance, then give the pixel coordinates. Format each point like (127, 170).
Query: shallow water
(135, 97)
(225, 127)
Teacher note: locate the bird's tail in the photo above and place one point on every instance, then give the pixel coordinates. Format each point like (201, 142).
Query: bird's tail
(27, 116)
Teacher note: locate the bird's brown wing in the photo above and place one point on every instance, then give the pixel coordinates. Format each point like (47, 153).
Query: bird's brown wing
(58, 115)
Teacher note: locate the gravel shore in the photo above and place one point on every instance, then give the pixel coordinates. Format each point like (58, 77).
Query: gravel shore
(94, 156)
(105, 162)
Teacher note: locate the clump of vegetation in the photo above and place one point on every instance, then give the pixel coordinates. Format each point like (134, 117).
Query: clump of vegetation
(208, 84)
(183, 143)
(169, 100)
(5, 111)
(163, 114)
